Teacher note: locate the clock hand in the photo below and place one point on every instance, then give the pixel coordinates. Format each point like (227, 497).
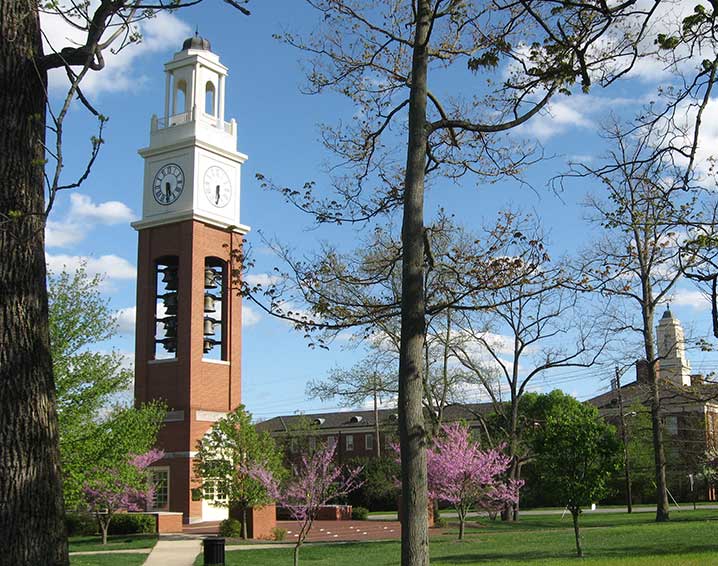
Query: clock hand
(216, 195)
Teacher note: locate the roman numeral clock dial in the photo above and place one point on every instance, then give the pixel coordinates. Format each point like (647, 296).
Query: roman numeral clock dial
(168, 184)
(217, 186)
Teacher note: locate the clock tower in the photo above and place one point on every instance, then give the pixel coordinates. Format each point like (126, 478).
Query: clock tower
(188, 337)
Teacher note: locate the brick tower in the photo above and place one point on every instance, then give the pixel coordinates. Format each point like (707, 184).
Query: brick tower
(188, 337)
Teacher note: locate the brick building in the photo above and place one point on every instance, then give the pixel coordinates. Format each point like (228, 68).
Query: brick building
(689, 406)
(354, 431)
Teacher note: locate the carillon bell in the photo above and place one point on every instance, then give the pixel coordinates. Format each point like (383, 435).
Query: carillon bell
(170, 344)
(170, 278)
(210, 278)
(170, 303)
(209, 326)
(209, 302)
(209, 343)
(170, 327)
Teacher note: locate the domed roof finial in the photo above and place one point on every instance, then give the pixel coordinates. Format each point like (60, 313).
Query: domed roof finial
(668, 313)
(196, 42)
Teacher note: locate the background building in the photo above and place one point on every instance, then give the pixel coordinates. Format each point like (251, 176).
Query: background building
(689, 408)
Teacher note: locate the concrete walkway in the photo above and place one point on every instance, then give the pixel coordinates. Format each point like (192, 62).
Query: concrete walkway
(121, 551)
(175, 550)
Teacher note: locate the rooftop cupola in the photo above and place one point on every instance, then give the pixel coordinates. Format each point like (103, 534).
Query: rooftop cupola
(194, 98)
(671, 342)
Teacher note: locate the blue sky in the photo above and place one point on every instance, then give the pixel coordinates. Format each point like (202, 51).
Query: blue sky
(277, 128)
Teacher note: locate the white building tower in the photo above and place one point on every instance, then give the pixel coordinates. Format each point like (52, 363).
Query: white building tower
(674, 365)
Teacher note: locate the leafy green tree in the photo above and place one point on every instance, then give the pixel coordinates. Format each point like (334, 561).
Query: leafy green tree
(640, 450)
(105, 445)
(223, 456)
(93, 434)
(86, 380)
(576, 453)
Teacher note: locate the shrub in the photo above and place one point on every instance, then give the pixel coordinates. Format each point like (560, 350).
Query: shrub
(360, 513)
(230, 528)
(130, 523)
(279, 533)
(80, 524)
(441, 523)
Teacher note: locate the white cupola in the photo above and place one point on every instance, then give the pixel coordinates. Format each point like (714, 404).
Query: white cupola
(192, 166)
(673, 364)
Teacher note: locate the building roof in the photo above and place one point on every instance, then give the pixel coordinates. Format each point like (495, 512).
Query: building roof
(361, 419)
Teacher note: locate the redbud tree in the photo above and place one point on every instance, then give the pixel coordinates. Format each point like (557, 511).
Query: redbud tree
(315, 481)
(463, 475)
(121, 487)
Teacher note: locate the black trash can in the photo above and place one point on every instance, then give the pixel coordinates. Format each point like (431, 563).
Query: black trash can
(213, 551)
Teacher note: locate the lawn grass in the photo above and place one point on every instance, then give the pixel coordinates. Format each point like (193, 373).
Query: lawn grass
(115, 542)
(108, 560)
(608, 540)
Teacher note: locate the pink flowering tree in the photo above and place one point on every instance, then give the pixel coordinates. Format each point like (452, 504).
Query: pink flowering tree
(314, 481)
(465, 476)
(122, 487)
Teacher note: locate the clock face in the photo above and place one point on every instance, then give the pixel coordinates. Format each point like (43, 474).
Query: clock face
(217, 186)
(168, 184)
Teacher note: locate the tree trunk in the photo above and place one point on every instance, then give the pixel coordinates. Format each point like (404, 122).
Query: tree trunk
(510, 512)
(659, 452)
(296, 553)
(577, 532)
(104, 526)
(624, 440)
(412, 432)
(462, 523)
(31, 505)
(656, 425)
(244, 522)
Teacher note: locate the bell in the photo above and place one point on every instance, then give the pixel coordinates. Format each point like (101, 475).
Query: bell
(209, 326)
(170, 344)
(210, 278)
(209, 343)
(170, 303)
(171, 331)
(209, 301)
(170, 278)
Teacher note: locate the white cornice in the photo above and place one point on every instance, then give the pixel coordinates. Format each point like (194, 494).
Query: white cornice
(192, 142)
(171, 218)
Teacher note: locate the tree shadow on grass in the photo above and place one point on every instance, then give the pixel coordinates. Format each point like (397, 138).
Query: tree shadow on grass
(530, 555)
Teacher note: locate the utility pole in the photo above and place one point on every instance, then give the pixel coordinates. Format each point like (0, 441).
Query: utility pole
(376, 418)
(624, 439)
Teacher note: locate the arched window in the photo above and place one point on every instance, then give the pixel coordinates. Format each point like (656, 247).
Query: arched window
(180, 98)
(166, 306)
(215, 309)
(209, 99)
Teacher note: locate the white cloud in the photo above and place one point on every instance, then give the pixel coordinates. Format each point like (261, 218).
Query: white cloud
(691, 298)
(60, 234)
(109, 212)
(81, 217)
(570, 113)
(112, 266)
(126, 320)
(162, 33)
(250, 317)
(263, 279)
